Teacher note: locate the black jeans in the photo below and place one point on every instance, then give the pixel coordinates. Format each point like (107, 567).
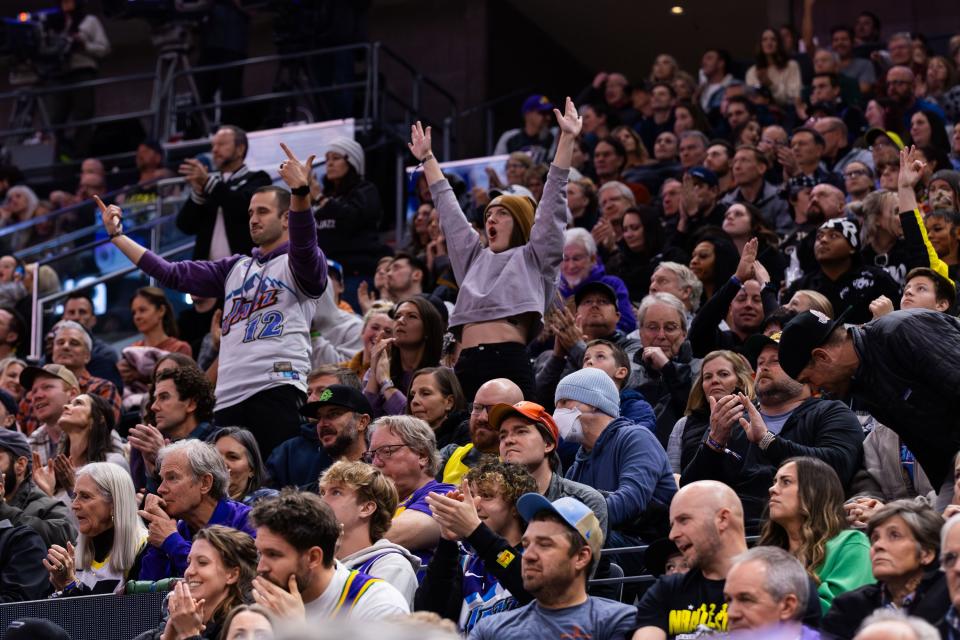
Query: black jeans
(477, 365)
(273, 416)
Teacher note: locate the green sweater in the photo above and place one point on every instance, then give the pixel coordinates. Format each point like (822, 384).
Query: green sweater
(846, 566)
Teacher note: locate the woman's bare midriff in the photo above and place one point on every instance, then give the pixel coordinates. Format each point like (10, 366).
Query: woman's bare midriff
(492, 332)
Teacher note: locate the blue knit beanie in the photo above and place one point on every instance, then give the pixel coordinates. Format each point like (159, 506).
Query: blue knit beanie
(592, 387)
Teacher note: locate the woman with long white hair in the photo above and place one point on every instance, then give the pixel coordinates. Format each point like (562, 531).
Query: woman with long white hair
(112, 537)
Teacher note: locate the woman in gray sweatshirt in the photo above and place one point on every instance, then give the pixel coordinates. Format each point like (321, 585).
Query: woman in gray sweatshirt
(508, 279)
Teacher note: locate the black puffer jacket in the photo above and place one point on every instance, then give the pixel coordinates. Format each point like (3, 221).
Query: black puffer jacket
(347, 225)
(909, 380)
(666, 390)
(849, 609)
(824, 429)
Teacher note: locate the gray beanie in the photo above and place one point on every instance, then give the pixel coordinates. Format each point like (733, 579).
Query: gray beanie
(592, 387)
(351, 150)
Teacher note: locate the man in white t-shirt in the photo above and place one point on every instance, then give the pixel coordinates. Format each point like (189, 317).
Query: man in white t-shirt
(299, 578)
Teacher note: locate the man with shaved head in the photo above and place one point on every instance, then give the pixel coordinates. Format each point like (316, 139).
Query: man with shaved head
(456, 459)
(706, 524)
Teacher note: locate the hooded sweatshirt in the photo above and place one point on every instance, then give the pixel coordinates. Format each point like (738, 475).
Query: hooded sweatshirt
(391, 563)
(628, 320)
(627, 465)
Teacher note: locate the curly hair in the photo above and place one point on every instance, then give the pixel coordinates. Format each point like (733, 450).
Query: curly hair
(192, 384)
(507, 480)
(820, 495)
(237, 551)
(303, 519)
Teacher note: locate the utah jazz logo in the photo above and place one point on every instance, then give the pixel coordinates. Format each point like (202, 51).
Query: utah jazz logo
(242, 308)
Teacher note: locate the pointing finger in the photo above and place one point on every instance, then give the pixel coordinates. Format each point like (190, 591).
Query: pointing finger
(310, 161)
(287, 151)
(103, 207)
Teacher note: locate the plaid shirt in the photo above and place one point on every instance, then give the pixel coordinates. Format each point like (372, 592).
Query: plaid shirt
(88, 384)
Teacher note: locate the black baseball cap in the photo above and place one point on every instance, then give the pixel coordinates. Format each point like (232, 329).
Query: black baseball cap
(656, 556)
(756, 343)
(35, 629)
(595, 287)
(802, 335)
(338, 395)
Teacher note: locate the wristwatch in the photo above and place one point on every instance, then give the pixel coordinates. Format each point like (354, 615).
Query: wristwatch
(387, 384)
(765, 441)
(301, 191)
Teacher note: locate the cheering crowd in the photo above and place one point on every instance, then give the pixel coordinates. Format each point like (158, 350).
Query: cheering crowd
(727, 364)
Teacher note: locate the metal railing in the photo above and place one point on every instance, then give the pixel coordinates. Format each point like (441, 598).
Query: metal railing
(485, 109)
(377, 93)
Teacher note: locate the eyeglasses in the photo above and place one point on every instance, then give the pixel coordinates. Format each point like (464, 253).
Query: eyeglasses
(855, 173)
(949, 559)
(476, 408)
(384, 453)
(668, 328)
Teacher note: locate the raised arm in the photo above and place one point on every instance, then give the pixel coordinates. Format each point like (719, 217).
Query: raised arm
(920, 252)
(570, 123)
(307, 261)
(463, 242)
(201, 278)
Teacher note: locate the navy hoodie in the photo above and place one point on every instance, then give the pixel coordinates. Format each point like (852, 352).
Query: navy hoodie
(627, 465)
(299, 461)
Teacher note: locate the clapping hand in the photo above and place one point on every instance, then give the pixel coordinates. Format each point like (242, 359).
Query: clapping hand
(60, 565)
(455, 512)
(44, 476)
(65, 472)
(195, 173)
(148, 440)
(881, 306)
(755, 427)
(724, 413)
(185, 614)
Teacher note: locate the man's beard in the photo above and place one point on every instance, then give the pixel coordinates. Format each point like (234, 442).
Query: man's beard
(344, 441)
(779, 391)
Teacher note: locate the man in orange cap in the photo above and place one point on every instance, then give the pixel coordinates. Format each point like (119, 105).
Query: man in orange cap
(528, 437)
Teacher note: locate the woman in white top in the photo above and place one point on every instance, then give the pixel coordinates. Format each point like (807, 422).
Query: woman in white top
(775, 70)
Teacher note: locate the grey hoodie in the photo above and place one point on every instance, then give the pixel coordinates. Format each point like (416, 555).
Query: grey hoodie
(395, 565)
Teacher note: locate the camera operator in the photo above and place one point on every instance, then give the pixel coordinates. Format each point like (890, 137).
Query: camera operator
(85, 43)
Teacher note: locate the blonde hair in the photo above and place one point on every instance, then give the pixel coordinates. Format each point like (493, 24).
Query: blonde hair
(818, 301)
(741, 368)
(371, 486)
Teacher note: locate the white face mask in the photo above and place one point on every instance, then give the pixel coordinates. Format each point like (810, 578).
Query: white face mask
(568, 424)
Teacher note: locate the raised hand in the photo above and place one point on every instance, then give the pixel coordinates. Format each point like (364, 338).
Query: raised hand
(112, 216)
(745, 268)
(911, 168)
(570, 122)
(295, 173)
(421, 142)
